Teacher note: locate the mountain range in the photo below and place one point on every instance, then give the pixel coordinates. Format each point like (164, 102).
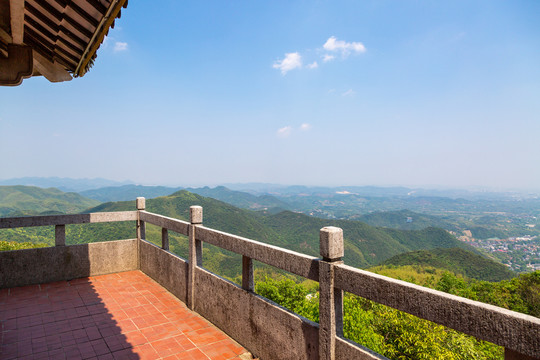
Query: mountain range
(365, 245)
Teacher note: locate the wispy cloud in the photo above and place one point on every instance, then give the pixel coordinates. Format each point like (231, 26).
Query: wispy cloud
(343, 47)
(284, 132)
(327, 58)
(120, 46)
(305, 127)
(349, 92)
(331, 48)
(290, 62)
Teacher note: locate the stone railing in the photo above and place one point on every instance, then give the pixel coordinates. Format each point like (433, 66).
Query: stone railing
(266, 329)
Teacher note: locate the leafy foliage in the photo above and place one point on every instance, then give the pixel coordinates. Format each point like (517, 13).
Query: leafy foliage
(389, 332)
(13, 245)
(365, 245)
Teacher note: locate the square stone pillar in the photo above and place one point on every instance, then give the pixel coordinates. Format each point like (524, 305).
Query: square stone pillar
(195, 252)
(330, 298)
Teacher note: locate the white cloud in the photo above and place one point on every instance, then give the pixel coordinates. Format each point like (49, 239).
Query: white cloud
(345, 48)
(327, 58)
(313, 65)
(305, 127)
(349, 92)
(284, 131)
(120, 46)
(290, 62)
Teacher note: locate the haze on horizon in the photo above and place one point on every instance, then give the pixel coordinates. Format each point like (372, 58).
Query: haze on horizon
(384, 93)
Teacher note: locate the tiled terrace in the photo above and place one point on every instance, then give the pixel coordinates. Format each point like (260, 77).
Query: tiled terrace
(119, 316)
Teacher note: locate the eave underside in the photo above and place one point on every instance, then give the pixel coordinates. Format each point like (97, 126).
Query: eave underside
(64, 35)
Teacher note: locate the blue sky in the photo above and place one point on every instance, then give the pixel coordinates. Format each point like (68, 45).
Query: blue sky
(415, 93)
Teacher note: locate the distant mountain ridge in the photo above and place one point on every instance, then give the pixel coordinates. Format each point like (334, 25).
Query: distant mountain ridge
(365, 245)
(405, 220)
(127, 192)
(30, 200)
(241, 199)
(64, 184)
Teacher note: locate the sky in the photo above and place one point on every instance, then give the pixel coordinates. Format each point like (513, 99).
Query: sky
(412, 93)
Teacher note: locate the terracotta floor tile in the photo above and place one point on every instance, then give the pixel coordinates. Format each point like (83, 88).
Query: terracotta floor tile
(195, 354)
(117, 316)
(146, 352)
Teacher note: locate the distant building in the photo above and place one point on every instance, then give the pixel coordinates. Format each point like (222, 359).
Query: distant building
(409, 219)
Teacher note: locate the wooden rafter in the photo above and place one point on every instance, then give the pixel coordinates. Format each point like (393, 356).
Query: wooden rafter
(17, 20)
(53, 71)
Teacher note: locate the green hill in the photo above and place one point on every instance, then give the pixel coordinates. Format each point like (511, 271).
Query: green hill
(127, 192)
(365, 245)
(29, 200)
(456, 260)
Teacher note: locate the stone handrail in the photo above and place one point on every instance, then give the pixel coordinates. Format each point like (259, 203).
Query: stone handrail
(46, 220)
(518, 333)
(60, 221)
(503, 327)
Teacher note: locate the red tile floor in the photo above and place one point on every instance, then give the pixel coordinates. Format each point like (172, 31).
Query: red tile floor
(119, 316)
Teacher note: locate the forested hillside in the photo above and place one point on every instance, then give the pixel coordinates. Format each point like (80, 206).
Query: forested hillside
(127, 192)
(458, 261)
(364, 245)
(241, 199)
(29, 200)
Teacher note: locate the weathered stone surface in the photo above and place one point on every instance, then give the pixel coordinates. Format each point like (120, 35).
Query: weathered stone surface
(27, 221)
(165, 239)
(513, 355)
(331, 243)
(330, 311)
(35, 266)
(346, 349)
(141, 203)
(167, 269)
(195, 259)
(291, 261)
(179, 226)
(248, 282)
(510, 329)
(267, 330)
(196, 214)
(60, 235)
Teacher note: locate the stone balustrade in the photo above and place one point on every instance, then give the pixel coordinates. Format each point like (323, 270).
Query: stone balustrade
(266, 329)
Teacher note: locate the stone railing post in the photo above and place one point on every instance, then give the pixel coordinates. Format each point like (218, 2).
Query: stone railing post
(141, 228)
(247, 274)
(330, 298)
(165, 239)
(195, 252)
(60, 235)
